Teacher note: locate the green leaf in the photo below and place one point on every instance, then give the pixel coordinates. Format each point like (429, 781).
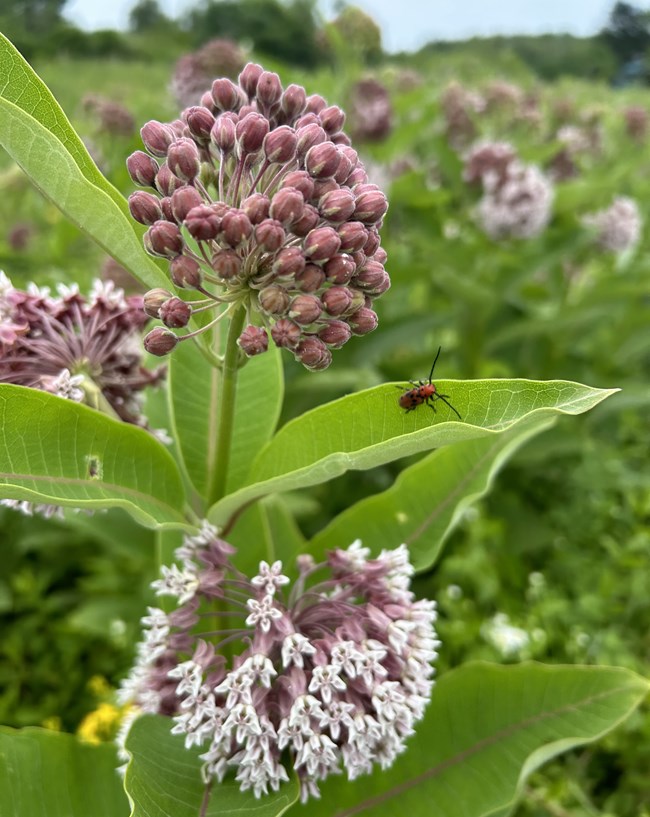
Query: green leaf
(194, 389)
(428, 499)
(56, 174)
(368, 429)
(163, 779)
(20, 84)
(486, 729)
(51, 774)
(58, 452)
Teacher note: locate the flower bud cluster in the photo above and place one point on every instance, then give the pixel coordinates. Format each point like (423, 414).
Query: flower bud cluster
(193, 73)
(517, 198)
(334, 671)
(112, 117)
(76, 347)
(371, 112)
(637, 122)
(618, 227)
(259, 200)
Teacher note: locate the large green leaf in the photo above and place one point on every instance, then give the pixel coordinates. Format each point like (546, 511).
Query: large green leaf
(51, 774)
(57, 175)
(163, 779)
(486, 729)
(428, 499)
(194, 391)
(369, 428)
(59, 452)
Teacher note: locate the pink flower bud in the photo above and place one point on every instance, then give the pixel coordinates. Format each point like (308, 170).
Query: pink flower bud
(183, 159)
(341, 139)
(160, 341)
(288, 262)
(353, 236)
(166, 207)
(269, 89)
(344, 169)
(164, 239)
(200, 122)
(301, 181)
(175, 313)
(142, 168)
(157, 137)
(380, 255)
(322, 161)
(226, 263)
(307, 119)
(372, 279)
(236, 228)
(336, 300)
(251, 131)
(185, 272)
(322, 243)
(372, 244)
(332, 119)
(310, 279)
(309, 136)
(363, 321)
(305, 309)
(371, 206)
(335, 334)
(307, 222)
(256, 207)
(313, 354)
(358, 176)
(280, 145)
(253, 341)
(322, 187)
(203, 223)
(249, 78)
(145, 207)
(223, 134)
(207, 101)
(183, 200)
(337, 205)
(166, 181)
(294, 100)
(316, 103)
(226, 95)
(340, 268)
(274, 300)
(286, 334)
(287, 205)
(153, 300)
(270, 235)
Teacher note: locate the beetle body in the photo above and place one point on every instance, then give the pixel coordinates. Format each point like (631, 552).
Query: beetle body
(424, 391)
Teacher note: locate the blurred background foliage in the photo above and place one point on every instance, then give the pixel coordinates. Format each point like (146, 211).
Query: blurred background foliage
(553, 564)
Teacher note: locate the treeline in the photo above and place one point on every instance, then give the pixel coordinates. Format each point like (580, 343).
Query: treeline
(293, 31)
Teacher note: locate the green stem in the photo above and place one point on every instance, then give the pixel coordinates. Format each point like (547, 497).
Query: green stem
(219, 468)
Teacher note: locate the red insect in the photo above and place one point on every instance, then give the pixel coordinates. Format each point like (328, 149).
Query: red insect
(424, 391)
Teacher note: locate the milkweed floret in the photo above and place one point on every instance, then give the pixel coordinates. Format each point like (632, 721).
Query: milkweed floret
(259, 200)
(331, 673)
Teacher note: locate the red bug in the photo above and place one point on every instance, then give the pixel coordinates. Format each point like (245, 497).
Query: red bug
(424, 391)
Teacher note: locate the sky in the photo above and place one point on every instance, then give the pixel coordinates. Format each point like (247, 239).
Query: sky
(409, 24)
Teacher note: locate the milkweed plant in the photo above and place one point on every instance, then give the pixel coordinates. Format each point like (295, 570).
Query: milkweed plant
(273, 670)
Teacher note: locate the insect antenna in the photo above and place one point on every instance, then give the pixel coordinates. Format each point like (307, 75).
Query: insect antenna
(434, 363)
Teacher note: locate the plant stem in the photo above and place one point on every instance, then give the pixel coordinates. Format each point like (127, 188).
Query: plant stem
(219, 468)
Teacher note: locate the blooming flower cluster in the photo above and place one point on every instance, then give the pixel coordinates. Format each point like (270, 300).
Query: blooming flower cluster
(618, 227)
(637, 122)
(261, 202)
(85, 349)
(111, 117)
(517, 198)
(459, 106)
(331, 672)
(193, 73)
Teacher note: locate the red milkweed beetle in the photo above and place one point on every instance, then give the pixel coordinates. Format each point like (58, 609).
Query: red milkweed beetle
(424, 391)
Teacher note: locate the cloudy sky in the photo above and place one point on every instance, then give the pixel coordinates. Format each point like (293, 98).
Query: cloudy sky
(408, 24)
